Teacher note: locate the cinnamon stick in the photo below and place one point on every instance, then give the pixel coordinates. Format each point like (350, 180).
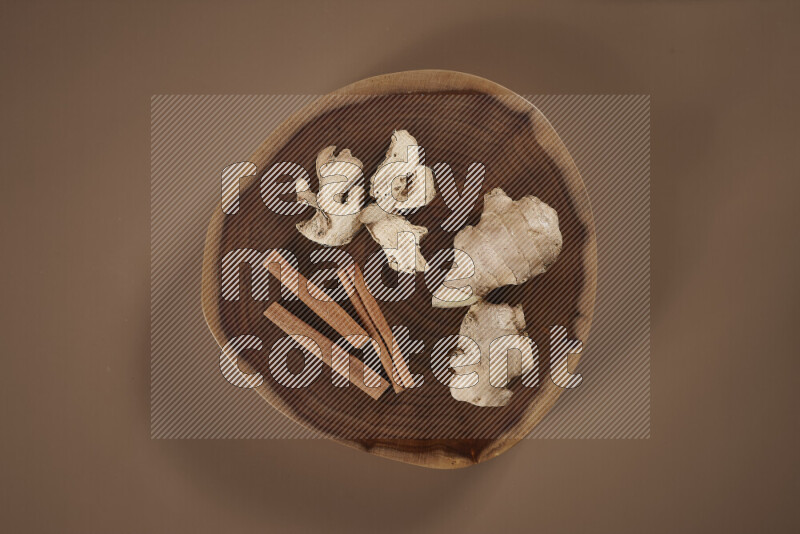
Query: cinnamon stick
(329, 311)
(294, 326)
(385, 353)
(370, 312)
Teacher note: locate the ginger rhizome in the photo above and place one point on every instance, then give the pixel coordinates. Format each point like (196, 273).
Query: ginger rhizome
(493, 349)
(514, 241)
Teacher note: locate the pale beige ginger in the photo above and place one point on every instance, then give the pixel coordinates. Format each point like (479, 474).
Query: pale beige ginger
(398, 238)
(402, 182)
(513, 242)
(497, 334)
(336, 219)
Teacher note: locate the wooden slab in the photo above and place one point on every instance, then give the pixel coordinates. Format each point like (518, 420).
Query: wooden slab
(459, 119)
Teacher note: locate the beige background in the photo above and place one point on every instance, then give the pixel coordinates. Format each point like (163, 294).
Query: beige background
(77, 79)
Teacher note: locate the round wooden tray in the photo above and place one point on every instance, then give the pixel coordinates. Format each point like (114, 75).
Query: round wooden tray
(459, 119)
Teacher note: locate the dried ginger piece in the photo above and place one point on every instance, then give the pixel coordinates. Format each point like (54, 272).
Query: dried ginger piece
(398, 238)
(401, 184)
(336, 219)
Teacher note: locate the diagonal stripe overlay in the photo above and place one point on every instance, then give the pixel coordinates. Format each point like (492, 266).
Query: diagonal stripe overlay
(195, 137)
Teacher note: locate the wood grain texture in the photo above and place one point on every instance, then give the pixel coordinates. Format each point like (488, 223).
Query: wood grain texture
(522, 154)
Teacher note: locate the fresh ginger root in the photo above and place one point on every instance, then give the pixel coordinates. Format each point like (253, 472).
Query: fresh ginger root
(485, 324)
(513, 242)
